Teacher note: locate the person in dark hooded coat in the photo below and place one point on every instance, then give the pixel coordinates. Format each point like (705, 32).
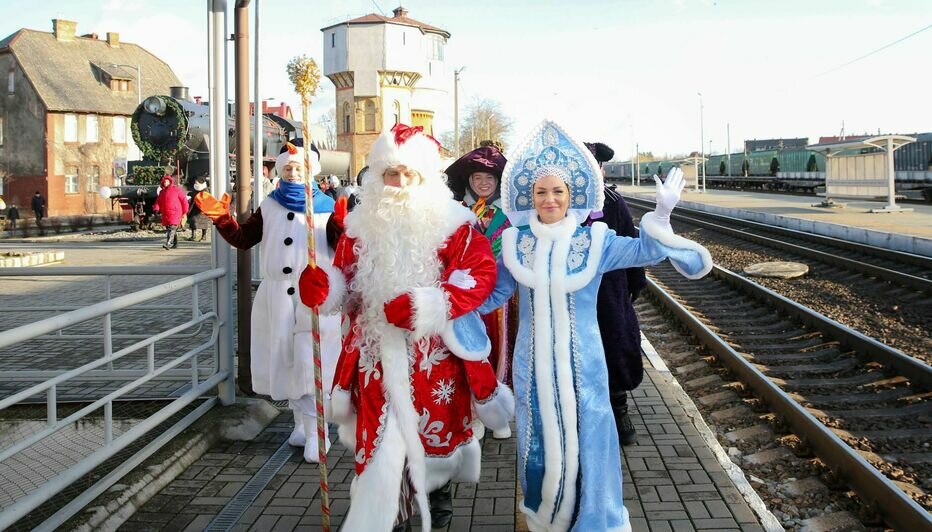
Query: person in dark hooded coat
(618, 322)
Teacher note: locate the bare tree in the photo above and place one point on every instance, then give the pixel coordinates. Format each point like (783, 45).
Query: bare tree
(483, 120)
(328, 124)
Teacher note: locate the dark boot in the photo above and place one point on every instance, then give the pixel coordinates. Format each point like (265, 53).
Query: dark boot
(403, 527)
(627, 434)
(441, 506)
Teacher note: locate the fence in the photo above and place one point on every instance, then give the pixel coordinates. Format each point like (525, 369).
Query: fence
(31, 476)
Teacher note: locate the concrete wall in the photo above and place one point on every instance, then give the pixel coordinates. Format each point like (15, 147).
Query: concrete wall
(335, 46)
(22, 155)
(365, 57)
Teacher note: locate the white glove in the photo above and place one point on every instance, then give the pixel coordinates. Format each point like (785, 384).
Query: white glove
(668, 195)
(462, 279)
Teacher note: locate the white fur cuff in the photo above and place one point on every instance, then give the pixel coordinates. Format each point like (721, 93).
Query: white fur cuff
(336, 291)
(341, 407)
(497, 409)
(429, 311)
(347, 433)
(664, 234)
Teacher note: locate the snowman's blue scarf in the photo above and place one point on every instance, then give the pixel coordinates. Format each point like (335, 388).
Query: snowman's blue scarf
(291, 196)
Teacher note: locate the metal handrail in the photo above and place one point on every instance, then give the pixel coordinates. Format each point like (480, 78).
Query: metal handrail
(100, 271)
(43, 386)
(218, 374)
(104, 308)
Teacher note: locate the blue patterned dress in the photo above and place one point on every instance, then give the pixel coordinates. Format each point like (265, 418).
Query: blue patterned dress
(569, 459)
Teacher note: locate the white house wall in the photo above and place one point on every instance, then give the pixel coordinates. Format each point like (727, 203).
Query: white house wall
(335, 46)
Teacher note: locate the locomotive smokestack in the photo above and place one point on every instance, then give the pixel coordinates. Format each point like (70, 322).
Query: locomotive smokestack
(179, 93)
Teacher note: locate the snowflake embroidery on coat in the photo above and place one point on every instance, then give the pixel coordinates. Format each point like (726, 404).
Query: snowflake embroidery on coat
(433, 358)
(443, 392)
(367, 363)
(429, 430)
(526, 247)
(578, 246)
(361, 453)
(574, 260)
(580, 242)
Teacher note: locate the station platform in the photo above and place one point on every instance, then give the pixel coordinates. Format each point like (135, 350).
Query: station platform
(906, 231)
(674, 479)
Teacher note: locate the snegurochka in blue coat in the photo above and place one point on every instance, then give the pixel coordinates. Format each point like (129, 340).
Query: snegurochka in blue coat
(569, 459)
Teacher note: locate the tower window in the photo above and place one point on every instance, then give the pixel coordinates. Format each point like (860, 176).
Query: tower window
(370, 115)
(10, 81)
(333, 40)
(347, 117)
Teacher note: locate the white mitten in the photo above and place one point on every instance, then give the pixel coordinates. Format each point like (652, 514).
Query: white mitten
(462, 279)
(668, 195)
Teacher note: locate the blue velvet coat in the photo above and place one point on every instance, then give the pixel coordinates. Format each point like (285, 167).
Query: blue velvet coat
(560, 377)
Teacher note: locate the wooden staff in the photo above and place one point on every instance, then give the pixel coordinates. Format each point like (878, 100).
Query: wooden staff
(305, 76)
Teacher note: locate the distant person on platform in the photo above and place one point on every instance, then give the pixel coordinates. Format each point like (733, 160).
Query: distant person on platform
(197, 221)
(618, 322)
(172, 203)
(281, 345)
(38, 206)
(12, 214)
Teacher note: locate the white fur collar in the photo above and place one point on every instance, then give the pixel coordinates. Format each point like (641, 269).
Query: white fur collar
(459, 215)
(555, 231)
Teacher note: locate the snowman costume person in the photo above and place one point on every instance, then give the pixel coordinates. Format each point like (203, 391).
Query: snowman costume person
(281, 350)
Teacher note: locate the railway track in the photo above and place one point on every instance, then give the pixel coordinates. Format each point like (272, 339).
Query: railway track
(860, 286)
(903, 269)
(860, 406)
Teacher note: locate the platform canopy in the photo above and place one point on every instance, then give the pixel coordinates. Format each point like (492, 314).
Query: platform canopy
(854, 171)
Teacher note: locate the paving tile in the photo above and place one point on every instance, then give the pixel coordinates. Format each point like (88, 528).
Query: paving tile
(672, 482)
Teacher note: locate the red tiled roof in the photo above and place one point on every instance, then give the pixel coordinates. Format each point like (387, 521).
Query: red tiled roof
(373, 18)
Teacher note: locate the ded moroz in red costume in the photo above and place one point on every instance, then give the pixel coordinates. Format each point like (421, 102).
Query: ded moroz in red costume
(409, 271)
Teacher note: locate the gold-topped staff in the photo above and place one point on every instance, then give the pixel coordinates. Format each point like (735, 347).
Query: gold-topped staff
(305, 76)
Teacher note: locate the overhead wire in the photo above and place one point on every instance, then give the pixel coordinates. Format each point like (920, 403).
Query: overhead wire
(855, 60)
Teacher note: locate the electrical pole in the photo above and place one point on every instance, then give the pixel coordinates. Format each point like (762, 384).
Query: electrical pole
(243, 185)
(456, 111)
(637, 162)
(728, 149)
(701, 141)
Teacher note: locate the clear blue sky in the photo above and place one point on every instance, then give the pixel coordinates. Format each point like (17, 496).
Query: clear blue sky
(616, 71)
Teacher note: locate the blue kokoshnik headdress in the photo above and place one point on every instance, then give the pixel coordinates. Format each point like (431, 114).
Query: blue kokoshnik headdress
(549, 150)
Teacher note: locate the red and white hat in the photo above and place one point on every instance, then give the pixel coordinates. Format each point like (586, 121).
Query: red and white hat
(405, 145)
(293, 152)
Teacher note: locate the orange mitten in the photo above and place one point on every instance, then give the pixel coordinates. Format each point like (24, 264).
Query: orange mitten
(209, 205)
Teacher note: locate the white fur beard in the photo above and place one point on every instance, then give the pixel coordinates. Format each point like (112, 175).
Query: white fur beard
(397, 231)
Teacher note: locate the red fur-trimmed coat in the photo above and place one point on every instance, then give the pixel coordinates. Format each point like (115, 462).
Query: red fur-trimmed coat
(441, 381)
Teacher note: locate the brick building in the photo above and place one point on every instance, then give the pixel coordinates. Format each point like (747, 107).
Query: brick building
(65, 114)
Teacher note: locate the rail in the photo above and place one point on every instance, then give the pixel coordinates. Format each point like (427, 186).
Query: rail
(736, 225)
(14, 456)
(871, 485)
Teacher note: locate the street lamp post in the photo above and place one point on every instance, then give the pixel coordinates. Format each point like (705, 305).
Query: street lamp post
(456, 110)
(488, 126)
(701, 141)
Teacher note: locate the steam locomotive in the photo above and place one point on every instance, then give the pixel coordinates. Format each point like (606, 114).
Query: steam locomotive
(173, 134)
